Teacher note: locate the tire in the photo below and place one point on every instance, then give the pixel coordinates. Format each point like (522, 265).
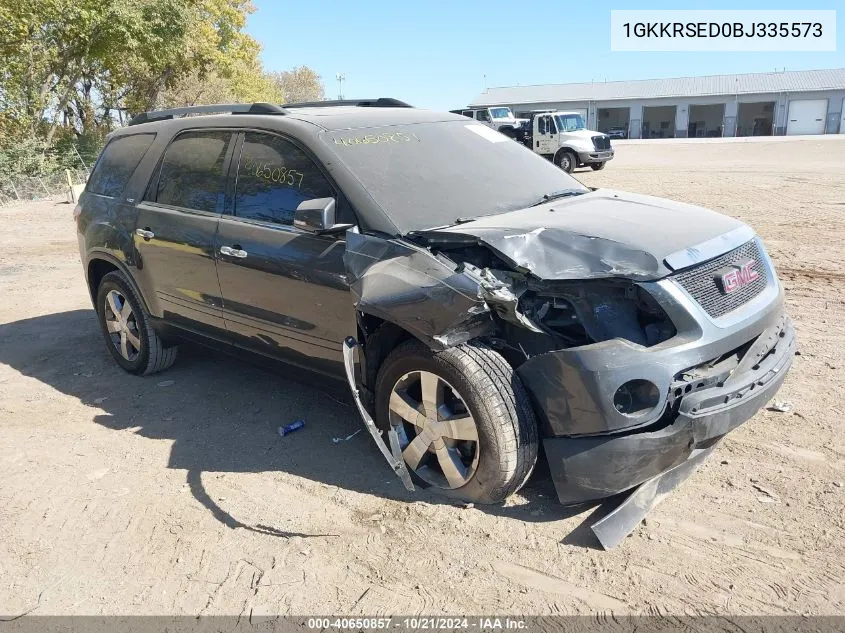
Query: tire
(145, 352)
(501, 458)
(509, 132)
(567, 161)
(597, 166)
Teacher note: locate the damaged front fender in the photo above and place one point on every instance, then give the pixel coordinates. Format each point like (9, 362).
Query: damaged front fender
(412, 288)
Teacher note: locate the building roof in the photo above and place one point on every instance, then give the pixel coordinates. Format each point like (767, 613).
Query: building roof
(791, 81)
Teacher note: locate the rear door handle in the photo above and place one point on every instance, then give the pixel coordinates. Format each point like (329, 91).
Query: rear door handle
(233, 252)
(147, 234)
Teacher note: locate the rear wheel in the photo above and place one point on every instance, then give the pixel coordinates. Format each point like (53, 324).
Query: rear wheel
(463, 417)
(130, 338)
(567, 161)
(597, 166)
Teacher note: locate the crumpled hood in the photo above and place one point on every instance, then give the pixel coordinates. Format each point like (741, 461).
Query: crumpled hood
(603, 233)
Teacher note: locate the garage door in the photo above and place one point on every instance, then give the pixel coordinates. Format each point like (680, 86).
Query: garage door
(806, 116)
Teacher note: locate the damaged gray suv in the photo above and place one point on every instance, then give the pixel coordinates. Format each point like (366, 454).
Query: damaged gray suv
(479, 300)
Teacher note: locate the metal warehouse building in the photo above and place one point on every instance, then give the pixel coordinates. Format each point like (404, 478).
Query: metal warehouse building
(757, 104)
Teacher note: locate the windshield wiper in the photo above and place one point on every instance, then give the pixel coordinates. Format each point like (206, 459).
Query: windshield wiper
(563, 193)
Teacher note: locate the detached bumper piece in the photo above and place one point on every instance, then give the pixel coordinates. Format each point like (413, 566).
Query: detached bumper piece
(651, 462)
(621, 521)
(393, 455)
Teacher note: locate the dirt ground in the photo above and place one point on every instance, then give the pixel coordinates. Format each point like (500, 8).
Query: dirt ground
(174, 494)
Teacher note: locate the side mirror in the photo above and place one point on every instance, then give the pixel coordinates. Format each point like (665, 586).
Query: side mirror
(318, 216)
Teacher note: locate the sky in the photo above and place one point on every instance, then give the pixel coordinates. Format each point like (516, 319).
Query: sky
(441, 55)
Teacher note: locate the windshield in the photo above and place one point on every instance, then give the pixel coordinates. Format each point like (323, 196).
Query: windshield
(569, 122)
(427, 175)
(501, 113)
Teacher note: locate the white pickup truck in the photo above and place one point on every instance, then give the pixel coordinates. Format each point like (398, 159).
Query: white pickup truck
(500, 118)
(563, 138)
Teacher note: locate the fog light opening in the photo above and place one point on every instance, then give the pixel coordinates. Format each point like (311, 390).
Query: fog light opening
(636, 398)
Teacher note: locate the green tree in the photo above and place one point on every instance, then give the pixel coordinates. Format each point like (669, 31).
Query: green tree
(72, 70)
(299, 84)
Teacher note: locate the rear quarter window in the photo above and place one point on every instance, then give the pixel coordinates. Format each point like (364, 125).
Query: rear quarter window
(117, 163)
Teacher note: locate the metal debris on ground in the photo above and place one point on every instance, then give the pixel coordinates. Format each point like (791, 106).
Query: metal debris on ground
(781, 406)
(337, 440)
(166, 383)
(290, 428)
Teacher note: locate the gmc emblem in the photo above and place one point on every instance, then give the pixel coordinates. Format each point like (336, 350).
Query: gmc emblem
(737, 276)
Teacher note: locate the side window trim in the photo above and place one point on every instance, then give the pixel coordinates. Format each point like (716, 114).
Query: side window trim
(152, 185)
(230, 172)
(233, 174)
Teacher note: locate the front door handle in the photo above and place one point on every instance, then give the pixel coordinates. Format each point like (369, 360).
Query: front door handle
(146, 233)
(233, 252)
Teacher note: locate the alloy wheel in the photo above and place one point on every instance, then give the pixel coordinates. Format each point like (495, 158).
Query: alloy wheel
(122, 325)
(437, 433)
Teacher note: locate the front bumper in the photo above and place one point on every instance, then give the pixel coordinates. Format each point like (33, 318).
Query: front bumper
(594, 467)
(595, 156)
(712, 376)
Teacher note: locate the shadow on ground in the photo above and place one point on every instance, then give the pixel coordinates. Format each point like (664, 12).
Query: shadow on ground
(222, 415)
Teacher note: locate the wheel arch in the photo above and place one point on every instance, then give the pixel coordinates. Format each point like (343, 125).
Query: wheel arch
(560, 151)
(378, 337)
(101, 264)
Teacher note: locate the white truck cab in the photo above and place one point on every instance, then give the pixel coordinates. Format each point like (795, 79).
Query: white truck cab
(499, 118)
(563, 138)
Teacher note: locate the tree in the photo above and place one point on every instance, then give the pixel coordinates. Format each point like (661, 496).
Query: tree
(246, 84)
(78, 62)
(299, 84)
(72, 70)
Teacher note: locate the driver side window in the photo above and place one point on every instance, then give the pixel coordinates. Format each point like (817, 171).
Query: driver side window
(483, 115)
(541, 125)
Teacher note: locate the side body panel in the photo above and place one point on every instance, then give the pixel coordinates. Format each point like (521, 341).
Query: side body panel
(177, 265)
(288, 297)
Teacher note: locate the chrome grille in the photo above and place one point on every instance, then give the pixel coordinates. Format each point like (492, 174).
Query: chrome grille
(601, 142)
(701, 281)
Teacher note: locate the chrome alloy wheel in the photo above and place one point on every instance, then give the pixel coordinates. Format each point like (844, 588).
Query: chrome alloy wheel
(437, 433)
(122, 325)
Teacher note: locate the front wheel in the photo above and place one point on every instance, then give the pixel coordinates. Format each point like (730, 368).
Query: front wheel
(463, 417)
(597, 166)
(567, 161)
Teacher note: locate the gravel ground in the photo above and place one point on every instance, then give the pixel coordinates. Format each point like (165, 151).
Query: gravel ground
(173, 494)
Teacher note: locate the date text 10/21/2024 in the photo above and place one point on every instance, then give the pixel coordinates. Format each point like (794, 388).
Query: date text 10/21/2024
(417, 623)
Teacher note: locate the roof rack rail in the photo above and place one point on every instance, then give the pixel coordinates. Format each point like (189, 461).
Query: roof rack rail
(230, 108)
(381, 102)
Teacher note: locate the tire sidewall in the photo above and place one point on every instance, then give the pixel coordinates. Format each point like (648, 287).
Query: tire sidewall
(115, 281)
(572, 161)
(488, 472)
